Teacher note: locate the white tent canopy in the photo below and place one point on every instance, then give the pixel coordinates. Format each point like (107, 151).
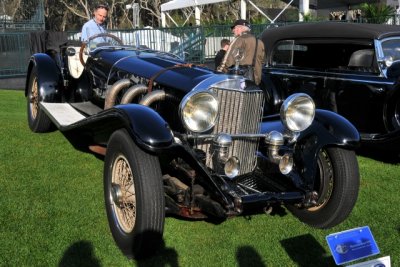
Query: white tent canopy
(179, 4)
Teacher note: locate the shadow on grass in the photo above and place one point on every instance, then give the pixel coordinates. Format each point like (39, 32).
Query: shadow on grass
(248, 256)
(82, 254)
(79, 254)
(156, 253)
(306, 251)
(164, 257)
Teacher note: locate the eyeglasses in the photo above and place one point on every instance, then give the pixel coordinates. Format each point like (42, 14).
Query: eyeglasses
(102, 6)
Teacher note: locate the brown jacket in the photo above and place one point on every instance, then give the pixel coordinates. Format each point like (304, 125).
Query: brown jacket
(247, 42)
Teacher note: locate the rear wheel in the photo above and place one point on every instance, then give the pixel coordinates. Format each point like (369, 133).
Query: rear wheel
(337, 183)
(37, 118)
(134, 196)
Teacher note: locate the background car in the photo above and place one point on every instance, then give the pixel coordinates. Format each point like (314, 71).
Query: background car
(349, 68)
(180, 139)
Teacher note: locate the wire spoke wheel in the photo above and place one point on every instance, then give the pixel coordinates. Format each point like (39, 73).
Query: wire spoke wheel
(123, 194)
(324, 182)
(34, 98)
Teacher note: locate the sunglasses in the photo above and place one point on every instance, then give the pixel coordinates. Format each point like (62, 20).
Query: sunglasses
(102, 6)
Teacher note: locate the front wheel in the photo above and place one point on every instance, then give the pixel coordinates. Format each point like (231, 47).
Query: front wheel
(337, 183)
(134, 196)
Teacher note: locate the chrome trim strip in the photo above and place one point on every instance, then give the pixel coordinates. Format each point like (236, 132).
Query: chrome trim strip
(337, 78)
(234, 136)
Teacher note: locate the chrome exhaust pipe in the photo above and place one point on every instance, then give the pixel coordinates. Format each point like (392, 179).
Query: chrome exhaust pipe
(156, 95)
(133, 92)
(112, 93)
(152, 97)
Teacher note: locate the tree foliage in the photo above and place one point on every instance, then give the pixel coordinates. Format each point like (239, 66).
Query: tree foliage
(377, 12)
(19, 10)
(65, 15)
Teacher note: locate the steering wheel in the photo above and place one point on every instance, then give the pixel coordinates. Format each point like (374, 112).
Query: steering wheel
(114, 40)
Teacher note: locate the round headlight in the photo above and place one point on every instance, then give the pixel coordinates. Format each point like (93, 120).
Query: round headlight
(297, 112)
(199, 112)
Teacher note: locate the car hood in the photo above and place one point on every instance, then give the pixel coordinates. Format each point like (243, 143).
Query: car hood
(161, 67)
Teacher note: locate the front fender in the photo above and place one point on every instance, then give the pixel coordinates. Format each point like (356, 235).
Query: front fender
(48, 75)
(146, 127)
(328, 129)
(333, 129)
(150, 130)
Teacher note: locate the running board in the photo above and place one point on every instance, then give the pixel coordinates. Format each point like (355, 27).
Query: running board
(61, 114)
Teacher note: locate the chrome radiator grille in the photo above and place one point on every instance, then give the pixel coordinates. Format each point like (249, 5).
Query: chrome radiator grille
(240, 112)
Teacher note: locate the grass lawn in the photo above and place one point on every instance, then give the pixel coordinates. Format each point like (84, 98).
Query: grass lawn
(52, 212)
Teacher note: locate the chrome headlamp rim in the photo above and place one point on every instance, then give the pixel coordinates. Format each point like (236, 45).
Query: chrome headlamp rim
(297, 112)
(199, 111)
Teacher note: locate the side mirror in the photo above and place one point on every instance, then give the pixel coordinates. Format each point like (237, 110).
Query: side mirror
(393, 70)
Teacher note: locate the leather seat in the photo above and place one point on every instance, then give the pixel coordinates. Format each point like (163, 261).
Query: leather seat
(75, 66)
(362, 60)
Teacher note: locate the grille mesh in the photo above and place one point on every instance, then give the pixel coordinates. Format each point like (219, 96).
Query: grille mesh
(240, 112)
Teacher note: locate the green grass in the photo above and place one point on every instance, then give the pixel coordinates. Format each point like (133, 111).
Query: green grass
(52, 212)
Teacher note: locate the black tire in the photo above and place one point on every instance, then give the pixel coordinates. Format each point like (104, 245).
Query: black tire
(38, 121)
(337, 183)
(135, 215)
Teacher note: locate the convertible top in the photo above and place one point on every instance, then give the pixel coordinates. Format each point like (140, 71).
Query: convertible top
(328, 30)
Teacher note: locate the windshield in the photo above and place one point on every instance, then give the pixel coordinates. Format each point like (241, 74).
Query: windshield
(391, 48)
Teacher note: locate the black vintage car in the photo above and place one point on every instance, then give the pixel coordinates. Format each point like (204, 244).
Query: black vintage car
(180, 139)
(352, 69)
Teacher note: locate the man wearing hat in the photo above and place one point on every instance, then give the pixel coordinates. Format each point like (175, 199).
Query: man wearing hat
(249, 45)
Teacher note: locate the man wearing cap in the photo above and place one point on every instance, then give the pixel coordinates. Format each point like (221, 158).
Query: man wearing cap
(95, 25)
(252, 48)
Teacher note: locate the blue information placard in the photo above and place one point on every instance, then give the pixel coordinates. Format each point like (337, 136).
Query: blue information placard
(352, 245)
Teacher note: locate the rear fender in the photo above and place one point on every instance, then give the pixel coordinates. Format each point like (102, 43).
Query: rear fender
(48, 74)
